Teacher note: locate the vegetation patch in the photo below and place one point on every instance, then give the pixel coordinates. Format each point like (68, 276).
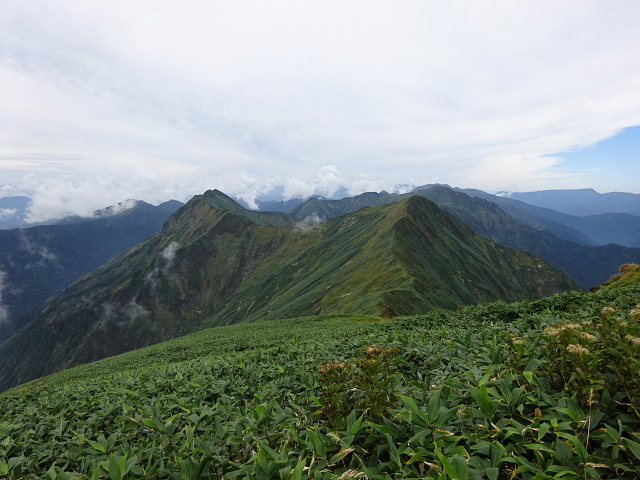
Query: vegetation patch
(531, 390)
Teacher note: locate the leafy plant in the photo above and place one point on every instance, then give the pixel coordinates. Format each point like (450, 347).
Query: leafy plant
(367, 384)
(241, 402)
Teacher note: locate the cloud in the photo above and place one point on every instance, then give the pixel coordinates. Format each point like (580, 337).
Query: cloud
(169, 253)
(162, 266)
(124, 315)
(108, 101)
(7, 212)
(309, 223)
(40, 253)
(112, 210)
(4, 311)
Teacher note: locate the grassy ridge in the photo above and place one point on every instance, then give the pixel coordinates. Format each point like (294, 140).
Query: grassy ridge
(481, 392)
(216, 263)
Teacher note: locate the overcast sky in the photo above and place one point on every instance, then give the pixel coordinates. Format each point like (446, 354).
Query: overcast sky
(104, 101)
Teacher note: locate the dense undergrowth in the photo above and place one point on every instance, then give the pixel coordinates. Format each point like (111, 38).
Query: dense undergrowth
(535, 390)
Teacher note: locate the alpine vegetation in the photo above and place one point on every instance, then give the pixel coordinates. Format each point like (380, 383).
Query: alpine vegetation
(530, 390)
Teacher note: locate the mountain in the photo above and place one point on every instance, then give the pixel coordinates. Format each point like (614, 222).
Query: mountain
(13, 211)
(40, 261)
(589, 266)
(217, 263)
(602, 229)
(328, 208)
(581, 202)
(278, 206)
(620, 228)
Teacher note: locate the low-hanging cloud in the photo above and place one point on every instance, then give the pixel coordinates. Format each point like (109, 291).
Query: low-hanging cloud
(309, 223)
(162, 266)
(40, 253)
(99, 104)
(4, 311)
(169, 253)
(123, 315)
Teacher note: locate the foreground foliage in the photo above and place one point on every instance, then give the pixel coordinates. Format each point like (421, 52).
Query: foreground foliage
(544, 389)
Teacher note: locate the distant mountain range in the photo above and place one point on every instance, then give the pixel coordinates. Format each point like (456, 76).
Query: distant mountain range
(589, 265)
(617, 219)
(613, 226)
(580, 202)
(216, 263)
(40, 261)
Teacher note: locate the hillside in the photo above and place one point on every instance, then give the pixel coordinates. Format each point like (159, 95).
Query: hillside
(527, 390)
(588, 265)
(629, 274)
(217, 263)
(40, 261)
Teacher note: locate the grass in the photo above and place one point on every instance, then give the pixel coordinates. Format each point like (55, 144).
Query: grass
(482, 392)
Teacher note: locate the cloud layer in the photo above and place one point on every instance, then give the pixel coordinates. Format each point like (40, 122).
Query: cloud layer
(156, 100)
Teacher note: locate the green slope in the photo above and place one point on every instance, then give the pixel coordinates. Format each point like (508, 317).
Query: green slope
(629, 274)
(588, 265)
(216, 263)
(482, 392)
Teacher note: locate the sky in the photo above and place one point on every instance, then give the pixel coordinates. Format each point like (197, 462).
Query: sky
(154, 100)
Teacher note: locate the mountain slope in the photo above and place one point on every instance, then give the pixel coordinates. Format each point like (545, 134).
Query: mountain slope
(629, 274)
(602, 229)
(216, 263)
(589, 265)
(40, 261)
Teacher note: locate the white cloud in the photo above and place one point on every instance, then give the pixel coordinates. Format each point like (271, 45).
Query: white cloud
(169, 253)
(4, 311)
(114, 100)
(7, 212)
(308, 223)
(40, 253)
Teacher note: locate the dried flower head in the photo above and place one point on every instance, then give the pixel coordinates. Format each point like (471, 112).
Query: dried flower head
(633, 339)
(577, 349)
(572, 326)
(517, 339)
(334, 367)
(588, 337)
(553, 331)
(607, 311)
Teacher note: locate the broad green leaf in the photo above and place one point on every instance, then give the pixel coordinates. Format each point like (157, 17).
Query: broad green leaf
(433, 407)
(299, 470)
(417, 416)
(633, 447)
(316, 444)
(461, 467)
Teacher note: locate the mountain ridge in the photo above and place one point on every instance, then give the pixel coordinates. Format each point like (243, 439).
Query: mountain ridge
(589, 265)
(210, 266)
